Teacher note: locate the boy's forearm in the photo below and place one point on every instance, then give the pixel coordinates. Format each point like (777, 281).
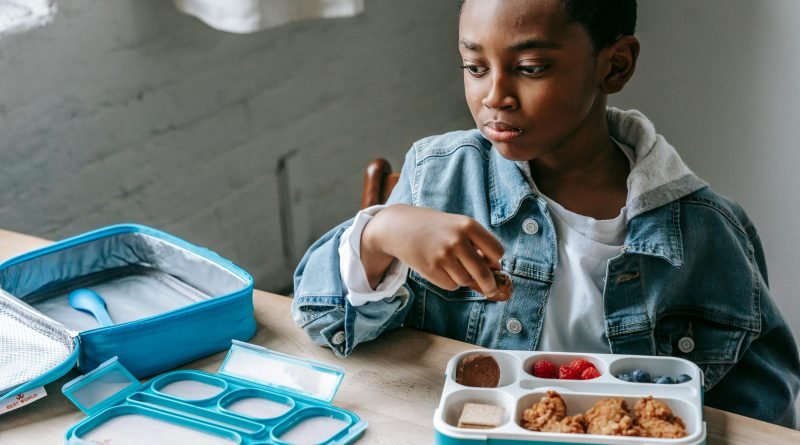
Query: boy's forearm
(373, 258)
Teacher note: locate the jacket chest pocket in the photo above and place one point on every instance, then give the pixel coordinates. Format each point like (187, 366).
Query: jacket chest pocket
(714, 345)
(455, 314)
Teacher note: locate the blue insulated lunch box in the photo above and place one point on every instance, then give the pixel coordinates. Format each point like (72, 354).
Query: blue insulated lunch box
(170, 302)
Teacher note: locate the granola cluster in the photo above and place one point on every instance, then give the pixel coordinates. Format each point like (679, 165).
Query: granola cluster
(611, 416)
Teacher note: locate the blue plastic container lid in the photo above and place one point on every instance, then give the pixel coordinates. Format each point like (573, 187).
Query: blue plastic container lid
(288, 374)
(102, 387)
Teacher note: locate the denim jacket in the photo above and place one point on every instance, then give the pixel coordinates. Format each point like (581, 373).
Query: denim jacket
(690, 267)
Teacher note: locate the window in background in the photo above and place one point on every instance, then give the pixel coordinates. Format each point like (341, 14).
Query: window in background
(244, 16)
(21, 15)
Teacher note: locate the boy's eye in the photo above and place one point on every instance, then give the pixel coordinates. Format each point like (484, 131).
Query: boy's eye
(475, 70)
(532, 69)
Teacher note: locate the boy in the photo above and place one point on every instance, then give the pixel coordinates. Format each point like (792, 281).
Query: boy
(613, 244)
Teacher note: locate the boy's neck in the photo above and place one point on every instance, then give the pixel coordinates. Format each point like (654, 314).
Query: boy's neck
(589, 178)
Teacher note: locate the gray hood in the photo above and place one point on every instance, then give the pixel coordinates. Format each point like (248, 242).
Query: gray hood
(658, 175)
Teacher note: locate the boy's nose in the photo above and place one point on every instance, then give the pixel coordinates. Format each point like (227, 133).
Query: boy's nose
(500, 94)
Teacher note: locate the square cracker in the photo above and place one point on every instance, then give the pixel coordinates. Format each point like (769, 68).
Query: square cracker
(480, 416)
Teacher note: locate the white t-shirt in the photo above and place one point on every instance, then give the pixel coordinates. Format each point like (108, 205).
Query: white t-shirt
(574, 315)
(573, 318)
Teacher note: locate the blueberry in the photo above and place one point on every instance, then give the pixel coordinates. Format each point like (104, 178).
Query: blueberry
(641, 376)
(683, 378)
(625, 377)
(664, 380)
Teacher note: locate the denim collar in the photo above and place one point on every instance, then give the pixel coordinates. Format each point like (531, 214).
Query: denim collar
(507, 188)
(655, 233)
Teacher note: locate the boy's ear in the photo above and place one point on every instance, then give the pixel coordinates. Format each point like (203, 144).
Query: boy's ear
(618, 64)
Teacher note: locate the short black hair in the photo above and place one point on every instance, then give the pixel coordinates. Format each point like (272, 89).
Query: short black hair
(606, 21)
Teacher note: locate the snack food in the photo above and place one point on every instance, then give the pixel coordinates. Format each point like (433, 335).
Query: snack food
(549, 414)
(657, 420)
(480, 416)
(545, 369)
(609, 416)
(639, 375)
(578, 369)
(478, 370)
(504, 286)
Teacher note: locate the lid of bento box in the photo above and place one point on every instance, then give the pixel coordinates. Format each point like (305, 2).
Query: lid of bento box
(283, 372)
(102, 387)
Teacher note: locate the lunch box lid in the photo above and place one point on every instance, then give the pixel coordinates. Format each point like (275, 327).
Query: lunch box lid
(282, 372)
(102, 387)
(111, 382)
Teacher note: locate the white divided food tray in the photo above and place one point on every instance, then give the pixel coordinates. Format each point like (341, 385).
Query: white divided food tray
(519, 389)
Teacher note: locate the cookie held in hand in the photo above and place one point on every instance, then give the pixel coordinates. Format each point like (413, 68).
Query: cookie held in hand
(504, 286)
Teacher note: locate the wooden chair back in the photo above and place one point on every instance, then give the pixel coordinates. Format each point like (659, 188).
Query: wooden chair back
(379, 180)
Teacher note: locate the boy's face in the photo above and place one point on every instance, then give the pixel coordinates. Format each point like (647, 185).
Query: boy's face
(530, 77)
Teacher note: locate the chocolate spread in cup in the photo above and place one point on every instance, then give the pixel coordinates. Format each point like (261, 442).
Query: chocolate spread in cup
(478, 370)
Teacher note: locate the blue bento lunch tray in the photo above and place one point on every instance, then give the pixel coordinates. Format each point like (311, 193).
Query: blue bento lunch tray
(258, 397)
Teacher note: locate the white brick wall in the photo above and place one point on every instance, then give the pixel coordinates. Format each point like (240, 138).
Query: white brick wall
(129, 111)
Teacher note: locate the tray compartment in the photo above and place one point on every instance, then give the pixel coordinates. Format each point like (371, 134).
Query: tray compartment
(256, 404)
(559, 359)
(190, 386)
(508, 363)
(578, 403)
(135, 425)
(209, 416)
(311, 426)
(656, 366)
(455, 401)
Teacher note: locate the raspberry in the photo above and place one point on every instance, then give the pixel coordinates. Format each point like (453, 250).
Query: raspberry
(567, 372)
(544, 369)
(580, 364)
(590, 373)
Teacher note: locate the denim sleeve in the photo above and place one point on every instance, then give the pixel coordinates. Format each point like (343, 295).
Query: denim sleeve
(764, 384)
(320, 306)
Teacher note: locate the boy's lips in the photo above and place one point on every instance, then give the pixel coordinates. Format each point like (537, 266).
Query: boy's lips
(500, 131)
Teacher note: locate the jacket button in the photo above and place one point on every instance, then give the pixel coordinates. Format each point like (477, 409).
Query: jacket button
(338, 338)
(514, 326)
(530, 226)
(686, 345)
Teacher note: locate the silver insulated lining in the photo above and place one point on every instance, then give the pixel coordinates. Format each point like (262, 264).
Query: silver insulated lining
(29, 345)
(137, 275)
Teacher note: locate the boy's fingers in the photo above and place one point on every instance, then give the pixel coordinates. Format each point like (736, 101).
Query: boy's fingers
(487, 244)
(480, 272)
(458, 274)
(493, 266)
(442, 279)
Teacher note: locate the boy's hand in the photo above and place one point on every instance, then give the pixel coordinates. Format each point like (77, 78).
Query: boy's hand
(449, 250)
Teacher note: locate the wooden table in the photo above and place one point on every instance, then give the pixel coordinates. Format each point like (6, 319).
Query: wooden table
(394, 383)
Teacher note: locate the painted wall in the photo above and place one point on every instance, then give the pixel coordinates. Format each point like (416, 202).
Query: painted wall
(252, 145)
(719, 78)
